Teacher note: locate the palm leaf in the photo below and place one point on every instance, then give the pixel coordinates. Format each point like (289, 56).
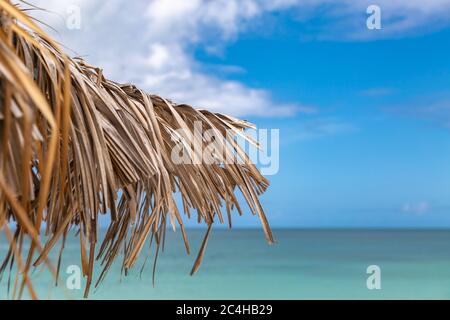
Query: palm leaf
(75, 145)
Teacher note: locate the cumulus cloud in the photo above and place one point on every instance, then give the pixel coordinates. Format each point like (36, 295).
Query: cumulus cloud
(152, 43)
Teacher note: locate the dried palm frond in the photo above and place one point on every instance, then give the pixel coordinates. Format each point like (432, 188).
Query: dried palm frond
(75, 145)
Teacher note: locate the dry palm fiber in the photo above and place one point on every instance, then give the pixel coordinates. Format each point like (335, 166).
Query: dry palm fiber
(75, 145)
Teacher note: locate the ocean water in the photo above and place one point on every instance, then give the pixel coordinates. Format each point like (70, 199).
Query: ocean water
(303, 264)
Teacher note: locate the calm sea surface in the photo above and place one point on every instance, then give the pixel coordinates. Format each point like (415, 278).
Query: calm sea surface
(303, 264)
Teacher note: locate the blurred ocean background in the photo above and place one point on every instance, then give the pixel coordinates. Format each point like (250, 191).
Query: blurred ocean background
(303, 264)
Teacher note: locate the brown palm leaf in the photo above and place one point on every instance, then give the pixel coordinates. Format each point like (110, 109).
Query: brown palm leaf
(75, 145)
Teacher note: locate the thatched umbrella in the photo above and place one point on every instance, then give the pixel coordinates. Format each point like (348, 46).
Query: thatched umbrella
(75, 145)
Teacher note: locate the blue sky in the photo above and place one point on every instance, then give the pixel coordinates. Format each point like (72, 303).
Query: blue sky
(364, 115)
(377, 151)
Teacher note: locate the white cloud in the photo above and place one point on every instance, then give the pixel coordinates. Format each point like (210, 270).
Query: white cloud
(346, 19)
(152, 43)
(418, 208)
(172, 74)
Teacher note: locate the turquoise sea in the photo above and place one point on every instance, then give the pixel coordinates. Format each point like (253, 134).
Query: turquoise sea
(303, 264)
